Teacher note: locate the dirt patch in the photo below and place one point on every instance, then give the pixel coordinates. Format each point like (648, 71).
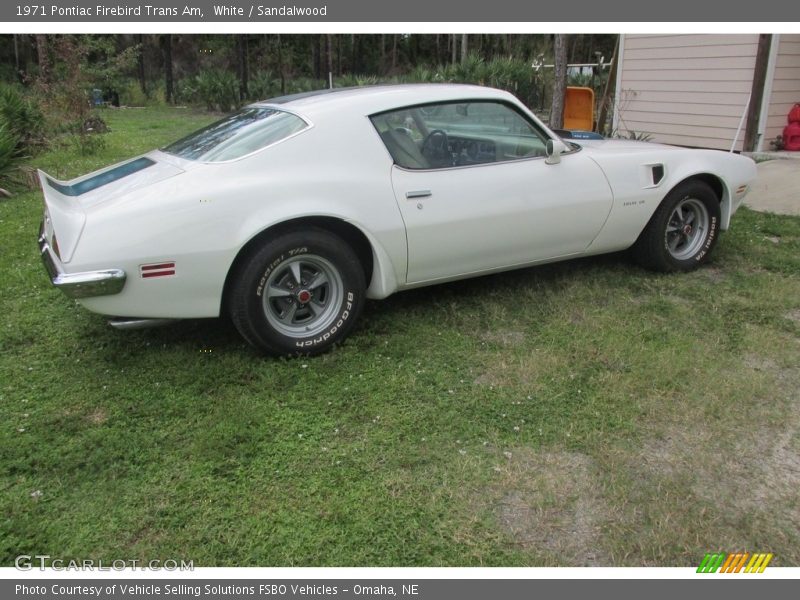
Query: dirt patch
(504, 338)
(502, 368)
(98, 416)
(501, 371)
(549, 502)
(760, 363)
(713, 274)
(677, 300)
(749, 469)
(793, 315)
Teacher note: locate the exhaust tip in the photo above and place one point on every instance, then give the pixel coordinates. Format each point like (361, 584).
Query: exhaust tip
(134, 323)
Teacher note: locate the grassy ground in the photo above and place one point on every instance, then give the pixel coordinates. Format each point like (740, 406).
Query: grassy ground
(586, 413)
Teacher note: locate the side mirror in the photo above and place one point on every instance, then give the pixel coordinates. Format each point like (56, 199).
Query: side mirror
(554, 149)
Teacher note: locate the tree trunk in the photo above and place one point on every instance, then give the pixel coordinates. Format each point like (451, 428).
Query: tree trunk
(353, 54)
(169, 92)
(17, 70)
(244, 67)
(574, 48)
(315, 59)
(140, 64)
(394, 52)
(338, 54)
(280, 65)
(43, 57)
(560, 81)
(464, 47)
(20, 61)
(329, 57)
(611, 82)
(453, 48)
(383, 54)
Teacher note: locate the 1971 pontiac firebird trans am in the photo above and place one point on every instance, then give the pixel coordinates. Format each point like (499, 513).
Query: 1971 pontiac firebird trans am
(288, 214)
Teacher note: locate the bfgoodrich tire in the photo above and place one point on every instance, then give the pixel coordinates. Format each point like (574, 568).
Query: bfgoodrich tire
(682, 232)
(300, 293)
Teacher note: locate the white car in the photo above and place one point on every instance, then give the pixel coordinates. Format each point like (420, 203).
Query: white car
(290, 213)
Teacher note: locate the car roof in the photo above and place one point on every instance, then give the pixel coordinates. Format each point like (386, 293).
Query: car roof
(368, 100)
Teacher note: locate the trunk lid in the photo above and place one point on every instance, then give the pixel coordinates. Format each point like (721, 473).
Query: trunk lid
(113, 181)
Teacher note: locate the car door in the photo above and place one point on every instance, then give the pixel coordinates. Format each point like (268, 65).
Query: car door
(488, 200)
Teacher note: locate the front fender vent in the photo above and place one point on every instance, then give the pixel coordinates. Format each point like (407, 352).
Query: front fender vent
(658, 173)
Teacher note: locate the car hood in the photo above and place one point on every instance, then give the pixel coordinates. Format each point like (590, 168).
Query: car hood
(114, 181)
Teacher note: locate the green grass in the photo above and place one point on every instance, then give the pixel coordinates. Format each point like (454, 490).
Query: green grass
(587, 412)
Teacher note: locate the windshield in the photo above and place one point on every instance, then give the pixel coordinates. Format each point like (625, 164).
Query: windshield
(242, 133)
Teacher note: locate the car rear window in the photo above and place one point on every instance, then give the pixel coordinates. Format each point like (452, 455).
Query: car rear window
(238, 135)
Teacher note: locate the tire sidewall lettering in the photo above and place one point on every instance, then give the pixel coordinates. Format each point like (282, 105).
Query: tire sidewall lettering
(347, 307)
(276, 263)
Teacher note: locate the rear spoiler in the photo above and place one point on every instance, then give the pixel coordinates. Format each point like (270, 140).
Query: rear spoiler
(104, 177)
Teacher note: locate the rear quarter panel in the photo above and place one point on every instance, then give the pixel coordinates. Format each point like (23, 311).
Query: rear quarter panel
(202, 218)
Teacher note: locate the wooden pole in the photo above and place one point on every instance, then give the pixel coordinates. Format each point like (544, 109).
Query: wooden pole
(757, 92)
(610, 85)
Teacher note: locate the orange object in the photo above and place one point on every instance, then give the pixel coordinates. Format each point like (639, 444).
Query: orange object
(579, 108)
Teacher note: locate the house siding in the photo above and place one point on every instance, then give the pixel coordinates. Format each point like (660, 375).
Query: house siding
(689, 90)
(785, 87)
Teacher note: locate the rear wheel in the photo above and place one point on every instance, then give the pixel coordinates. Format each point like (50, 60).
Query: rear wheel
(300, 293)
(683, 230)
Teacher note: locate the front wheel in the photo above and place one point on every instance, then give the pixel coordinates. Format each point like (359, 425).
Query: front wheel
(300, 293)
(683, 230)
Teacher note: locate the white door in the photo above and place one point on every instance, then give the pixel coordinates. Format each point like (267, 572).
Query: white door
(488, 199)
(473, 219)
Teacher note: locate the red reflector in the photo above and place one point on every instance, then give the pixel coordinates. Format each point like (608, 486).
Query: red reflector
(157, 270)
(170, 265)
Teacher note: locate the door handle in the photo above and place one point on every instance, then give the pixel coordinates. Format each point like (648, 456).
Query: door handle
(418, 194)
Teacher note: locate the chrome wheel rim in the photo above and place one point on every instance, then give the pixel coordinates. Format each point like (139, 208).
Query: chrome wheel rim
(687, 228)
(302, 296)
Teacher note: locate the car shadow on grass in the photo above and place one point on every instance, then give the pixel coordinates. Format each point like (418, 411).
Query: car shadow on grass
(380, 317)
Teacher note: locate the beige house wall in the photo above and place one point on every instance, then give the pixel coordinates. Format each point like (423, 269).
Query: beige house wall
(690, 90)
(785, 89)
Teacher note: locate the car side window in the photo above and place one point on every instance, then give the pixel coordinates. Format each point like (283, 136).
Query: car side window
(454, 134)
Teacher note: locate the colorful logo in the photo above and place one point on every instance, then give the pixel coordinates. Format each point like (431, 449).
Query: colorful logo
(735, 563)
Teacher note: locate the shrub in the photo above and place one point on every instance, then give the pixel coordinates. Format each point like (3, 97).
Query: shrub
(21, 116)
(86, 144)
(264, 85)
(217, 89)
(637, 136)
(9, 152)
(130, 94)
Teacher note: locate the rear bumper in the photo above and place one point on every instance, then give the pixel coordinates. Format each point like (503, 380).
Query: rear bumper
(80, 285)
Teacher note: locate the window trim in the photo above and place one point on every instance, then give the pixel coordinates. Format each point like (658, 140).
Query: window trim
(276, 107)
(506, 103)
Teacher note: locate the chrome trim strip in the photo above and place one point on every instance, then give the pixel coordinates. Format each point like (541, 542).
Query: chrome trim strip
(80, 285)
(134, 323)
